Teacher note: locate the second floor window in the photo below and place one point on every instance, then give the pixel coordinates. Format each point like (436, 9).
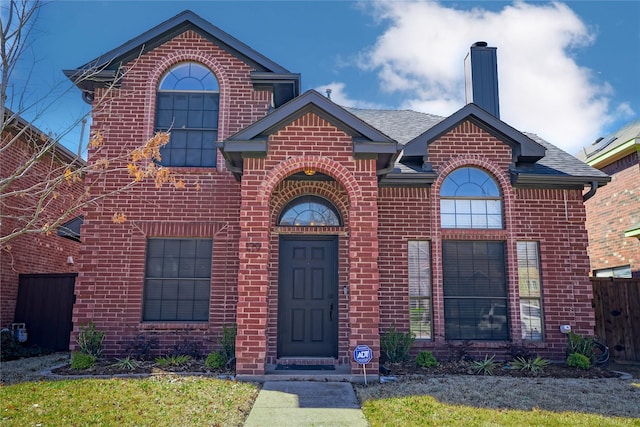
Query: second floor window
(470, 198)
(188, 106)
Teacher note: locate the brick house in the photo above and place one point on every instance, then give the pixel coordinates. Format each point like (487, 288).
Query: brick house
(35, 260)
(314, 227)
(613, 214)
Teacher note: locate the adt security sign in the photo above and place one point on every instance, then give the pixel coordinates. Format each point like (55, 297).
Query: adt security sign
(362, 354)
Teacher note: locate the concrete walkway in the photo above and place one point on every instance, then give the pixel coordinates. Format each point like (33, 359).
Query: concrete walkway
(306, 403)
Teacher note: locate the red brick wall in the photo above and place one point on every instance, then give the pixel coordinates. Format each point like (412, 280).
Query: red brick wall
(241, 218)
(109, 287)
(552, 217)
(31, 253)
(557, 223)
(404, 214)
(307, 142)
(614, 209)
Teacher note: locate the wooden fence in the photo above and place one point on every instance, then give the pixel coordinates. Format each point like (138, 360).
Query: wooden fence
(617, 309)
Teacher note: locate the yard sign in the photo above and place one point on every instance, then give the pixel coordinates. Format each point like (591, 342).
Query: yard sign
(363, 354)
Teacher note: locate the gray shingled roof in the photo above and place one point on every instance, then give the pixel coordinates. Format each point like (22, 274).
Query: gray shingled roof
(559, 162)
(401, 125)
(404, 125)
(625, 134)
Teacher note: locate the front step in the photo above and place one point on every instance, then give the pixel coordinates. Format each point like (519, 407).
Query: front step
(340, 373)
(307, 361)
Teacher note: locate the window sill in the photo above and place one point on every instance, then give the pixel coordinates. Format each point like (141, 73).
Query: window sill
(192, 170)
(533, 343)
(164, 326)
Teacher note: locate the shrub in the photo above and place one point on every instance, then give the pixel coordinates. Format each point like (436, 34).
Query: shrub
(518, 351)
(426, 359)
(82, 361)
(10, 346)
(228, 342)
(90, 340)
(189, 348)
(127, 363)
(395, 345)
(580, 345)
(486, 366)
(142, 347)
(173, 360)
(215, 360)
(536, 365)
(12, 349)
(459, 350)
(578, 360)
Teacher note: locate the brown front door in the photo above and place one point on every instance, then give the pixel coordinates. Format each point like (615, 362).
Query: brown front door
(308, 296)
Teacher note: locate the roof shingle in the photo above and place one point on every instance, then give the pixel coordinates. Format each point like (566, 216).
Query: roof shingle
(405, 125)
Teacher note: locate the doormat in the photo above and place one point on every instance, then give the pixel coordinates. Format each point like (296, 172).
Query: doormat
(305, 368)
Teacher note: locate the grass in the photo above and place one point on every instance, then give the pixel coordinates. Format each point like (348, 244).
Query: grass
(456, 400)
(155, 401)
(468, 400)
(428, 411)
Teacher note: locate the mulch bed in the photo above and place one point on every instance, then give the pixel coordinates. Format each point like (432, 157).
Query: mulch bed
(109, 367)
(554, 370)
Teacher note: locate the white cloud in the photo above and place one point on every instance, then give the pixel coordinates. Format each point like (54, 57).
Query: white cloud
(340, 97)
(542, 88)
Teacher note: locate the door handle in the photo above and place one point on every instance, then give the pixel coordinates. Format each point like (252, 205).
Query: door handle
(331, 312)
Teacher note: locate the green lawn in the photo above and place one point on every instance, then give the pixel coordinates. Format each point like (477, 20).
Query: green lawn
(428, 411)
(154, 401)
(171, 400)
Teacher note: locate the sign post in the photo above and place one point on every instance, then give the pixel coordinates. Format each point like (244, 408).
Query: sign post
(363, 355)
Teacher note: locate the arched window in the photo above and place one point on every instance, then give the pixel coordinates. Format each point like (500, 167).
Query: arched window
(188, 104)
(310, 211)
(470, 198)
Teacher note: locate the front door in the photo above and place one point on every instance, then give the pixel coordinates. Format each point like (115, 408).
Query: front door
(308, 296)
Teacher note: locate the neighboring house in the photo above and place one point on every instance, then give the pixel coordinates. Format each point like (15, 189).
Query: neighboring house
(314, 227)
(36, 263)
(613, 213)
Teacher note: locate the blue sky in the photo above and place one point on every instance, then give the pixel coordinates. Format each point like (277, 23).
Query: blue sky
(567, 70)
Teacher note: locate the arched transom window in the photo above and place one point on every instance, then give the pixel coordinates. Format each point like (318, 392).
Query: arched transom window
(470, 198)
(188, 104)
(310, 211)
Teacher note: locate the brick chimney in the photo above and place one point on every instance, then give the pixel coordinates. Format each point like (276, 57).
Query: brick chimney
(481, 78)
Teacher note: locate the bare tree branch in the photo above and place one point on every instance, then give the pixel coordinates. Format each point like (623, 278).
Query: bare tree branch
(42, 184)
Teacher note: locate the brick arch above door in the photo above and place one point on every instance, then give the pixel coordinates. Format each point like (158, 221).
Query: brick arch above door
(337, 171)
(286, 191)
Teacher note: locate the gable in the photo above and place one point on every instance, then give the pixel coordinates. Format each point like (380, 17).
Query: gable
(103, 71)
(556, 169)
(523, 148)
(366, 140)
